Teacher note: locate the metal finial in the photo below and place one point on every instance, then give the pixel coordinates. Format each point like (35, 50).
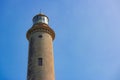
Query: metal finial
(40, 11)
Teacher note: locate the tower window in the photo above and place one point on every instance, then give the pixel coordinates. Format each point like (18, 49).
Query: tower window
(40, 61)
(40, 36)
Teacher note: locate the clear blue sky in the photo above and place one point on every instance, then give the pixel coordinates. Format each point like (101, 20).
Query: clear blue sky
(87, 43)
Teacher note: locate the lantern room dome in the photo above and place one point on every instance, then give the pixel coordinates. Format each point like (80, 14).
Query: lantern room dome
(40, 18)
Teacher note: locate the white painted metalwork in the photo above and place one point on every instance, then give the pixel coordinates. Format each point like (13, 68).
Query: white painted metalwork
(40, 19)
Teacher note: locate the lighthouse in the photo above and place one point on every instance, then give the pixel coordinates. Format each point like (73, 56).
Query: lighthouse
(41, 58)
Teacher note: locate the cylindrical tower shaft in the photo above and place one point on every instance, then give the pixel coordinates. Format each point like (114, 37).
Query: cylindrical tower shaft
(41, 61)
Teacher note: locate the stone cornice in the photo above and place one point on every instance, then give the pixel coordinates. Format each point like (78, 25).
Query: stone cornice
(42, 27)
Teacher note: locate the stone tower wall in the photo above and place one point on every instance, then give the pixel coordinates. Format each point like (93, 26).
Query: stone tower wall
(40, 63)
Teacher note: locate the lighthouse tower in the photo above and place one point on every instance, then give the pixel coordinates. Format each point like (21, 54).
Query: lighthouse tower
(40, 60)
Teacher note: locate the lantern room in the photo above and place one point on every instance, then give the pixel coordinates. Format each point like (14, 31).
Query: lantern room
(40, 18)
